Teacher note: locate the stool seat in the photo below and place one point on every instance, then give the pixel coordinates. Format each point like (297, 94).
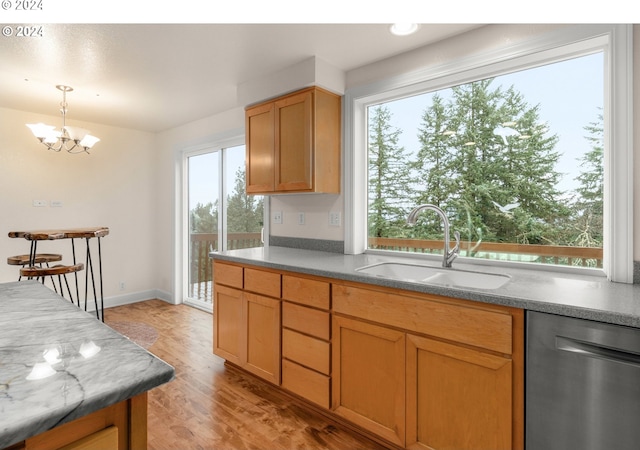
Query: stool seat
(58, 269)
(23, 260)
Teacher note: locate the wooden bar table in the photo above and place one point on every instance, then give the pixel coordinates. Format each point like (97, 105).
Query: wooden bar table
(86, 233)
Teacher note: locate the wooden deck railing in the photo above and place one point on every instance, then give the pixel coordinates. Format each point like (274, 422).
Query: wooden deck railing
(201, 244)
(543, 254)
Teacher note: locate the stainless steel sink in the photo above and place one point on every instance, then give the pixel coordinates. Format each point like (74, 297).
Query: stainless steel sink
(436, 275)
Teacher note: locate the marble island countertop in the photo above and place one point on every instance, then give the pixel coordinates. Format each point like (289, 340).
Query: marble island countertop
(58, 363)
(576, 295)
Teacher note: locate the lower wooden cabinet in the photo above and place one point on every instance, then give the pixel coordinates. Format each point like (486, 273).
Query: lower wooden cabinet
(418, 371)
(457, 397)
(122, 426)
(262, 319)
(369, 377)
(228, 330)
(246, 329)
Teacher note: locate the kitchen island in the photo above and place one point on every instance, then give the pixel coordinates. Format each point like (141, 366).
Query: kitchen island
(65, 377)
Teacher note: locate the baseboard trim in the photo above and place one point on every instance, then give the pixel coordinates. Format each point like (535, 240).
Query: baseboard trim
(127, 299)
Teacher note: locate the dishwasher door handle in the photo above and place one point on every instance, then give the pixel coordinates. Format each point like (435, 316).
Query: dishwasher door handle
(597, 351)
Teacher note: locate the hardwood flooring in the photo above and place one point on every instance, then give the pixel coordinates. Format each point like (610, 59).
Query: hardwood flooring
(211, 406)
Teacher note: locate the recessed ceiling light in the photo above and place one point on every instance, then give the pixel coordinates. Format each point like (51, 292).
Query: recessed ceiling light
(403, 29)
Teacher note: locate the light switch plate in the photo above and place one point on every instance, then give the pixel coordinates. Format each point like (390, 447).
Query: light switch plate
(300, 218)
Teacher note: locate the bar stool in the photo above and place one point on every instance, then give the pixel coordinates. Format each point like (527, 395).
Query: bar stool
(58, 270)
(40, 259)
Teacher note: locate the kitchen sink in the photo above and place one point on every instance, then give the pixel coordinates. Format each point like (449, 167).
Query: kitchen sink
(436, 275)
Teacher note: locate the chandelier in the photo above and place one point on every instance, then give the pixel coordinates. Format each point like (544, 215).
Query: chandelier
(71, 139)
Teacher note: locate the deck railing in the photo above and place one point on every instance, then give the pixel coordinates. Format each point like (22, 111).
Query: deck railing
(201, 268)
(543, 254)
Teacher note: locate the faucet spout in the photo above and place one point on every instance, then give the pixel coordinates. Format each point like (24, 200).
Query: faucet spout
(449, 253)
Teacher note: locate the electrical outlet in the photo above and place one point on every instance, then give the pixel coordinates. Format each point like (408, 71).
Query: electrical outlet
(334, 219)
(122, 286)
(56, 203)
(39, 203)
(277, 217)
(300, 218)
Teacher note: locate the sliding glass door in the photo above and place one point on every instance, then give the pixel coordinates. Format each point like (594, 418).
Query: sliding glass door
(221, 216)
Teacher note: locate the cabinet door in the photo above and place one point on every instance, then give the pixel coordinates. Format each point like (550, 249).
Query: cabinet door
(457, 397)
(260, 148)
(294, 143)
(228, 326)
(263, 336)
(369, 377)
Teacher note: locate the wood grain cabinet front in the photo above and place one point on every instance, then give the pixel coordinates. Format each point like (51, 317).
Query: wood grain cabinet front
(415, 370)
(428, 372)
(293, 143)
(247, 324)
(306, 347)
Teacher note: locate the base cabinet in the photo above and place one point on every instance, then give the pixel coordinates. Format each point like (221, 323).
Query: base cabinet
(246, 329)
(262, 319)
(369, 377)
(457, 397)
(415, 370)
(121, 426)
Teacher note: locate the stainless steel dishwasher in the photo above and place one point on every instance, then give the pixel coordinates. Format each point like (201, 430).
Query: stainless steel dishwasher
(582, 384)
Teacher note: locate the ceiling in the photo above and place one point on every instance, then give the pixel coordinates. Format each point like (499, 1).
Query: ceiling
(153, 77)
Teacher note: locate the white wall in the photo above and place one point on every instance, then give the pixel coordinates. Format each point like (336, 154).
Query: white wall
(115, 186)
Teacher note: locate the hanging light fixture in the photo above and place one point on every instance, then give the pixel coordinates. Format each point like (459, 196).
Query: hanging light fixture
(71, 139)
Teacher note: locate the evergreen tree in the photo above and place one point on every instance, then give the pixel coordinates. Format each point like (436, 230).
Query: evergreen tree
(494, 167)
(588, 209)
(204, 218)
(244, 212)
(389, 177)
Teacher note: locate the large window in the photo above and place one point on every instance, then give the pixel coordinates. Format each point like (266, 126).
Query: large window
(528, 155)
(515, 161)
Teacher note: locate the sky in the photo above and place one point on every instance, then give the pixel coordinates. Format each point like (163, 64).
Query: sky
(570, 96)
(203, 175)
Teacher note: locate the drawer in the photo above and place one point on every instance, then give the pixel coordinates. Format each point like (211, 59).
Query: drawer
(306, 350)
(227, 274)
(479, 327)
(306, 383)
(307, 320)
(262, 282)
(306, 292)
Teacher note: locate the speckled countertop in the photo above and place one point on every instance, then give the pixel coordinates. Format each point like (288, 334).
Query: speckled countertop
(581, 296)
(33, 319)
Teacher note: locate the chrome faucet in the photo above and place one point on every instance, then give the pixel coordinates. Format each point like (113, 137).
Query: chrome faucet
(449, 253)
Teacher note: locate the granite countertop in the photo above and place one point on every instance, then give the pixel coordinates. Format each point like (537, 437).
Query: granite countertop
(575, 295)
(34, 319)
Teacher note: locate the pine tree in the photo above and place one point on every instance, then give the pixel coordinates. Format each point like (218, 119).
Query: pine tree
(588, 209)
(244, 212)
(204, 218)
(487, 152)
(389, 177)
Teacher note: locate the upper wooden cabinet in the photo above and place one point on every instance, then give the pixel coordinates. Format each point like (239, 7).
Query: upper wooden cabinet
(293, 143)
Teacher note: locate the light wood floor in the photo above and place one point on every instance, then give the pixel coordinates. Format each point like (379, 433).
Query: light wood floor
(210, 406)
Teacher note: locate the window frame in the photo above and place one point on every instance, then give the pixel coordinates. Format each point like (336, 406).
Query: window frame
(615, 40)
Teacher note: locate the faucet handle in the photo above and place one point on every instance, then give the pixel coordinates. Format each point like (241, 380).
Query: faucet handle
(456, 248)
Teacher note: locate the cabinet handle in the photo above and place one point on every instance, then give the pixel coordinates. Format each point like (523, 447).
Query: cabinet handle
(597, 351)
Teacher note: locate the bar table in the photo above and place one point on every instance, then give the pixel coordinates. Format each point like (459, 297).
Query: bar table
(86, 233)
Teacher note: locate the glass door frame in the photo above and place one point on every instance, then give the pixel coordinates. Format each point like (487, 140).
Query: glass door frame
(183, 233)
